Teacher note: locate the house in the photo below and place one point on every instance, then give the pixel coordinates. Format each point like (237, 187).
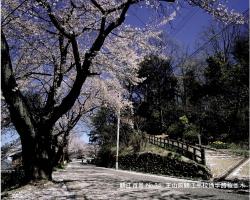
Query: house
(11, 156)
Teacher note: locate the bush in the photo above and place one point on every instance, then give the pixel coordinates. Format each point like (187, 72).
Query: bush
(240, 149)
(60, 166)
(175, 130)
(191, 134)
(219, 145)
(137, 141)
(165, 165)
(184, 120)
(12, 179)
(105, 157)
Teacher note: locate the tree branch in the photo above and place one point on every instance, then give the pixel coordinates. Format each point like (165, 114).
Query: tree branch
(82, 70)
(20, 111)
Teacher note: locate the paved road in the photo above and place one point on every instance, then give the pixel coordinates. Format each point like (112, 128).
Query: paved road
(93, 183)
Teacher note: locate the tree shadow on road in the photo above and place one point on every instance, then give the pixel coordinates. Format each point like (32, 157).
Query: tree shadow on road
(162, 195)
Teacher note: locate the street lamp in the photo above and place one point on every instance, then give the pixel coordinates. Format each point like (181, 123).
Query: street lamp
(118, 133)
(117, 141)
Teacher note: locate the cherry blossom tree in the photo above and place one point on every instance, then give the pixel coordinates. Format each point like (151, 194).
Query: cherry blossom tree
(76, 145)
(73, 54)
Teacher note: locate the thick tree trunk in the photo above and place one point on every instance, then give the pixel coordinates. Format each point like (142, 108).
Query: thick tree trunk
(37, 155)
(37, 158)
(61, 151)
(61, 155)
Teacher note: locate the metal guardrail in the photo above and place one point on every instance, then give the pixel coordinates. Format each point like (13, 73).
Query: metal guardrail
(192, 152)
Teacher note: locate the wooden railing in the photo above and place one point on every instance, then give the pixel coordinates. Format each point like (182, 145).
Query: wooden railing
(192, 152)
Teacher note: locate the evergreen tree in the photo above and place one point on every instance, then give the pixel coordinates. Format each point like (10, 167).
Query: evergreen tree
(158, 93)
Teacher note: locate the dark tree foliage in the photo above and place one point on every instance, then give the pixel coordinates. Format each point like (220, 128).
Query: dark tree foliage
(215, 104)
(104, 123)
(213, 75)
(104, 134)
(104, 130)
(192, 91)
(224, 96)
(157, 93)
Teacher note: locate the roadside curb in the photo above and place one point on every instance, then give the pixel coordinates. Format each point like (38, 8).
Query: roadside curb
(228, 172)
(152, 175)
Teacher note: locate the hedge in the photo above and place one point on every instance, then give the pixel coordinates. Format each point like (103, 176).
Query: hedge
(165, 165)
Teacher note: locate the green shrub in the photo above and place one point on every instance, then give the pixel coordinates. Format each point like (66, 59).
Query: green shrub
(239, 146)
(239, 149)
(219, 145)
(60, 166)
(184, 120)
(137, 141)
(105, 156)
(191, 134)
(175, 130)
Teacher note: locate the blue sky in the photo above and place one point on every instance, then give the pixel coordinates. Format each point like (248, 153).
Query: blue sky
(188, 24)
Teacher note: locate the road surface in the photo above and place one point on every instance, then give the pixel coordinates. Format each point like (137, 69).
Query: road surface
(88, 182)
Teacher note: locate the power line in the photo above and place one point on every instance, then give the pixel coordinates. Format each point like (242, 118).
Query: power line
(207, 42)
(147, 25)
(182, 24)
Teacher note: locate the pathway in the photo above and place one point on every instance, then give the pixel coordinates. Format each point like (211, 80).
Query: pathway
(223, 163)
(78, 181)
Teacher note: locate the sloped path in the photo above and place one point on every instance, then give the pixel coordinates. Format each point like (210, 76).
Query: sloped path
(222, 162)
(241, 172)
(94, 183)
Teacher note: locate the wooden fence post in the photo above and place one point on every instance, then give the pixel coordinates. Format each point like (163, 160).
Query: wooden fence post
(203, 161)
(194, 154)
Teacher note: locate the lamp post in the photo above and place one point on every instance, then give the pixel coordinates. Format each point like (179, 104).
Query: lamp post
(199, 138)
(117, 140)
(118, 133)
